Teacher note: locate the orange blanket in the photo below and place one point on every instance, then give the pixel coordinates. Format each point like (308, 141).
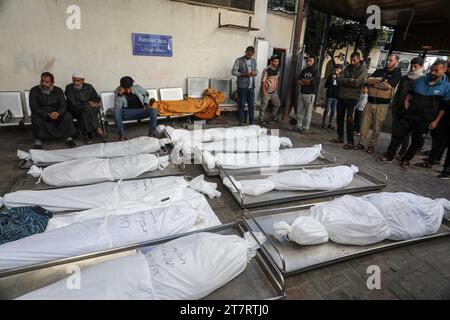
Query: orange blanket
(205, 109)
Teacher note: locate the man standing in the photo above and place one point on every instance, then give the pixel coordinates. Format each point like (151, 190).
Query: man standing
(245, 70)
(269, 89)
(415, 72)
(83, 103)
(309, 81)
(381, 84)
(133, 103)
(350, 84)
(49, 118)
(425, 105)
(332, 96)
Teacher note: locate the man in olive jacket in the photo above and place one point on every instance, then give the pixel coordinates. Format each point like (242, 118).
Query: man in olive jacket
(350, 82)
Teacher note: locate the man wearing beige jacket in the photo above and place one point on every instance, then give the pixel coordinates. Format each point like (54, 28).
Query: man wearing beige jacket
(381, 84)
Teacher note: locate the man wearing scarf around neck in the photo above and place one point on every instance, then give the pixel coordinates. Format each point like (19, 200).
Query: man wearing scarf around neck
(49, 116)
(415, 72)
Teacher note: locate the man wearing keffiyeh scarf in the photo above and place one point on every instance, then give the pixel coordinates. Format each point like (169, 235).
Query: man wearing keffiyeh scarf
(414, 73)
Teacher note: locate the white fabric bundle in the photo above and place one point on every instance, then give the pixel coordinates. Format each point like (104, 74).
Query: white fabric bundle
(97, 235)
(239, 144)
(409, 216)
(152, 191)
(100, 150)
(89, 171)
(187, 268)
(296, 156)
(328, 178)
(215, 134)
(304, 231)
(351, 220)
(190, 198)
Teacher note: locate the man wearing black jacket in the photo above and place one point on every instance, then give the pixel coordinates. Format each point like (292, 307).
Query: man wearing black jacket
(332, 97)
(308, 80)
(425, 105)
(381, 84)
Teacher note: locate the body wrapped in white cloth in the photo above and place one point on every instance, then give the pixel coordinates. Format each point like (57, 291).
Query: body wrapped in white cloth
(215, 134)
(286, 157)
(152, 191)
(136, 146)
(187, 268)
(89, 171)
(328, 178)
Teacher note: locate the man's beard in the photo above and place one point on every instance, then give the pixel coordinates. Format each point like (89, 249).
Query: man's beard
(78, 88)
(46, 90)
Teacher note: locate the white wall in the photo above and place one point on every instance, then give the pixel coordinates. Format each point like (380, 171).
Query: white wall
(279, 30)
(35, 39)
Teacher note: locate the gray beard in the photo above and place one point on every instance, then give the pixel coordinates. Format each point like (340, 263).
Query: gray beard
(46, 91)
(78, 88)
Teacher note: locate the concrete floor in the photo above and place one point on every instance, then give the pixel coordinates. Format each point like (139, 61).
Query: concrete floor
(420, 271)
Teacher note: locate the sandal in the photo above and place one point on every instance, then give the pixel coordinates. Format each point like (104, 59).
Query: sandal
(370, 150)
(348, 146)
(424, 164)
(404, 164)
(359, 146)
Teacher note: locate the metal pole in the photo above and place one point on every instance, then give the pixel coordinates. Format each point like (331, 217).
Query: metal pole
(296, 48)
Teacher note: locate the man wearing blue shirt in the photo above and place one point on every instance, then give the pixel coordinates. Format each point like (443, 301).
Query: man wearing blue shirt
(425, 104)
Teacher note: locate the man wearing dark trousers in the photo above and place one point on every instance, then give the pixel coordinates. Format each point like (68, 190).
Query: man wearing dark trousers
(245, 70)
(425, 105)
(350, 83)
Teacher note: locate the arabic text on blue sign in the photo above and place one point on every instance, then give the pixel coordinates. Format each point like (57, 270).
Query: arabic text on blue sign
(152, 45)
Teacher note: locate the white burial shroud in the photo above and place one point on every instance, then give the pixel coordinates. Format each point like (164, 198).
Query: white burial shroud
(245, 144)
(187, 268)
(409, 216)
(152, 191)
(89, 171)
(106, 228)
(136, 146)
(328, 178)
(215, 134)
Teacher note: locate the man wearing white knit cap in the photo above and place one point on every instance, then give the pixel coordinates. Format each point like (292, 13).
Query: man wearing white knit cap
(83, 102)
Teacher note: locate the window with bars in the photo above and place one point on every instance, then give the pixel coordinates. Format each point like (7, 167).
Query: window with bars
(243, 5)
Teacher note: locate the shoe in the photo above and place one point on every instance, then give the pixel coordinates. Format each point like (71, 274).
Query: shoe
(324, 126)
(337, 140)
(123, 138)
(359, 146)
(330, 126)
(348, 146)
(37, 146)
(88, 140)
(445, 174)
(385, 159)
(6, 116)
(71, 143)
(275, 119)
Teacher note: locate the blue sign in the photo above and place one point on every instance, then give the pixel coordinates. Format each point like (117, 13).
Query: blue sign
(152, 45)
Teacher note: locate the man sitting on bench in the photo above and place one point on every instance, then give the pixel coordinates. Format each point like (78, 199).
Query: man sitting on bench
(49, 116)
(133, 103)
(83, 103)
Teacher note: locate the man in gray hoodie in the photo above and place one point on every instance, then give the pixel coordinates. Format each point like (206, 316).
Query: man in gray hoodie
(245, 70)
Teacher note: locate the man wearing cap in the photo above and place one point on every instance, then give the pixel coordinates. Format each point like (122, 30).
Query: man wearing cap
(133, 103)
(83, 102)
(269, 89)
(49, 116)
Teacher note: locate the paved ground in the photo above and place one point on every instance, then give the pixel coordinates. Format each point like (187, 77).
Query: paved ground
(420, 271)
